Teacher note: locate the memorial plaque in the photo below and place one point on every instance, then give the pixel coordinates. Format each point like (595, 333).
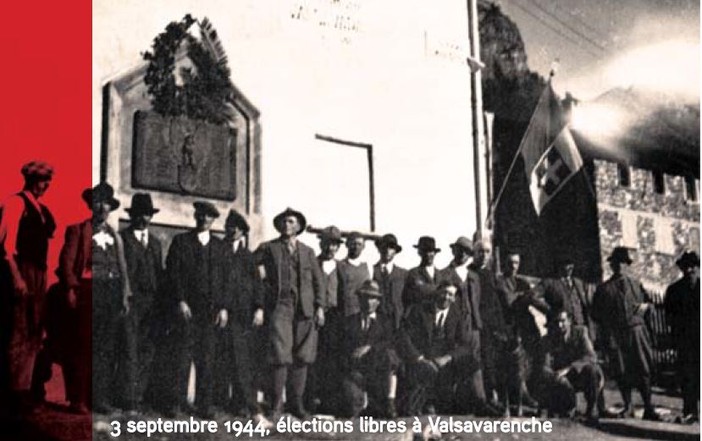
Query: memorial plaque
(185, 156)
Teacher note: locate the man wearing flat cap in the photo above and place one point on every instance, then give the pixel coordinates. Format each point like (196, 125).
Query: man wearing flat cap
(391, 278)
(682, 309)
(143, 254)
(237, 343)
(370, 360)
(195, 265)
(320, 380)
(294, 298)
(467, 283)
(422, 280)
(26, 226)
(619, 307)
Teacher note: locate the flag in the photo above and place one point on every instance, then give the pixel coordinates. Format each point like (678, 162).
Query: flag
(550, 155)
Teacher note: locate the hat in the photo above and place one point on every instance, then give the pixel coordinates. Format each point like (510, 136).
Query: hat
(37, 169)
(688, 259)
(370, 288)
(331, 234)
(142, 204)
(278, 220)
(103, 192)
(463, 242)
(388, 241)
(427, 243)
(207, 208)
(621, 255)
(234, 219)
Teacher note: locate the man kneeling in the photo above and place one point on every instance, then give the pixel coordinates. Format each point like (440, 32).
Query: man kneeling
(567, 364)
(371, 380)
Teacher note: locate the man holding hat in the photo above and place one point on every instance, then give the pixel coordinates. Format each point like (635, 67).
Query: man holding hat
(294, 299)
(26, 226)
(235, 364)
(422, 280)
(143, 254)
(391, 278)
(370, 360)
(467, 283)
(682, 309)
(195, 266)
(619, 306)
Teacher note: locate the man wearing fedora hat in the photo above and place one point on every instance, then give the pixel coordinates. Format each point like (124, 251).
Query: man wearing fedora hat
(422, 280)
(26, 226)
(294, 299)
(195, 266)
(236, 345)
(619, 306)
(391, 278)
(143, 254)
(682, 309)
(467, 283)
(370, 360)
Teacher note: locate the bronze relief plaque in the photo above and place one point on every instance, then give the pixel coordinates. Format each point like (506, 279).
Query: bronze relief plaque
(185, 156)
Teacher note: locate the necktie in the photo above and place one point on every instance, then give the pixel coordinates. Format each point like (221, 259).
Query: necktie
(144, 240)
(384, 271)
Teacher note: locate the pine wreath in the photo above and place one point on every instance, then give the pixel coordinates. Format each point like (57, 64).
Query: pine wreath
(202, 93)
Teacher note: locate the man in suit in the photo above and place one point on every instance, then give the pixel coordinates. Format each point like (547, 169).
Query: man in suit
(320, 380)
(566, 292)
(619, 306)
(294, 299)
(565, 364)
(235, 367)
(142, 252)
(682, 308)
(195, 266)
(26, 226)
(421, 281)
(467, 282)
(391, 278)
(370, 359)
(434, 345)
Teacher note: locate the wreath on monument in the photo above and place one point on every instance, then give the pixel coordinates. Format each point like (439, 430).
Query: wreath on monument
(200, 92)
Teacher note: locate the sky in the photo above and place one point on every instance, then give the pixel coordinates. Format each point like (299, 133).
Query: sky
(602, 44)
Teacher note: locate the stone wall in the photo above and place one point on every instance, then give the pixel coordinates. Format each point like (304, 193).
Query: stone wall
(659, 227)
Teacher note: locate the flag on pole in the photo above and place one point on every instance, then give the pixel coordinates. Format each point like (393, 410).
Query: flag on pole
(550, 155)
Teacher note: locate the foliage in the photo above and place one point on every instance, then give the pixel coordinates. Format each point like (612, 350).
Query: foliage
(199, 92)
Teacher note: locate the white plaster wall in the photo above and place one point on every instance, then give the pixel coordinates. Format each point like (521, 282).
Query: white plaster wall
(397, 83)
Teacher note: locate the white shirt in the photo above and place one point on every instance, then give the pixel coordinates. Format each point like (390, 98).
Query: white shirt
(328, 266)
(462, 272)
(387, 266)
(366, 321)
(431, 270)
(440, 317)
(203, 238)
(357, 262)
(237, 243)
(142, 236)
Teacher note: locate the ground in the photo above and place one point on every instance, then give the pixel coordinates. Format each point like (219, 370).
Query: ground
(53, 422)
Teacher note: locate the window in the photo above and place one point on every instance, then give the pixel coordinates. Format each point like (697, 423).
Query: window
(624, 175)
(659, 182)
(692, 189)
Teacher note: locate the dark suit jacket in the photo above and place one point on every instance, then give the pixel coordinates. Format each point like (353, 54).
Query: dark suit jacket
(310, 282)
(558, 296)
(242, 283)
(392, 287)
(467, 297)
(615, 303)
(516, 296)
(75, 253)
(417, 334)
(682, 309)
(379, 336)
(555, 354)
(419, 286)
(181, 265)
(145, 269)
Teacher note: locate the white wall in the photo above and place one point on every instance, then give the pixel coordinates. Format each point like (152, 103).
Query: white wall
(398, 82)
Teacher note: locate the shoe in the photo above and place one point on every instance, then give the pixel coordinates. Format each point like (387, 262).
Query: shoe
(685, 419)
(265, 423)
(651, 415)
(627, 412)
(299, 412)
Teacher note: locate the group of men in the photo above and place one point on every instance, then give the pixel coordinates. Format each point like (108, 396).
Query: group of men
(335, 336)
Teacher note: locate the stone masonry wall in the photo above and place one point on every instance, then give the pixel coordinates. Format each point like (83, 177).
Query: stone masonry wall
(659, 227)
